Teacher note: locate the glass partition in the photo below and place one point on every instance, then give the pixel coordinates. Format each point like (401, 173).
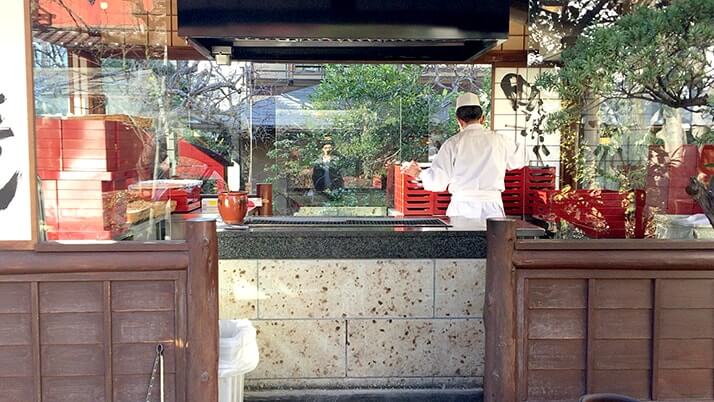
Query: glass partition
(634, 120)
(136, 131)
(329, 147)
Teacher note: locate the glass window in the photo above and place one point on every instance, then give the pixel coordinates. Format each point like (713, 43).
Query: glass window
(136, 131)
(329, 144)
(633, 124)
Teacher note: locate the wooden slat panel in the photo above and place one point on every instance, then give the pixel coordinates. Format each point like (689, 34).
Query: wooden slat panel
(141, 327)
(556, 324)
(15, 298)
(35, 340)
(139, 358)
(656, 339)
(133, 388)
(618, 293)
(622, 324)
(686, 324)
(15, 361)
(181, 324)
(16, 389)
(70, 297)
(107, 343)
(556, 354)
(71, 360)
(15, 329)
(71, 328)
(693, 384)
(687, 293)
(75, 389)
(634, 383)
(142, 296)
(557, 293)
(621, 354)
(686, 353)
(553, 385)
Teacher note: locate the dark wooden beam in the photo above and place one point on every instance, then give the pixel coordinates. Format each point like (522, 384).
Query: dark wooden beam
(28, 262)
(202, 300)
(645, 259)
(500, 313)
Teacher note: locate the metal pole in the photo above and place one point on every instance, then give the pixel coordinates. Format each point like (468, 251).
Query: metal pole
(249, 68)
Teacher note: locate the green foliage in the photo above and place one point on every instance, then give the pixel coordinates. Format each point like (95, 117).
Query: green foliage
(659, 55)
(389, 112)
(377, 114)
(656, 54)
(706, 138)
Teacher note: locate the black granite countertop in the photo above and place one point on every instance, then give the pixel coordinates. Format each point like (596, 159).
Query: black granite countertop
(465, 238)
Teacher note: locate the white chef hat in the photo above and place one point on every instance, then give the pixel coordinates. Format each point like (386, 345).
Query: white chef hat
(467, 99)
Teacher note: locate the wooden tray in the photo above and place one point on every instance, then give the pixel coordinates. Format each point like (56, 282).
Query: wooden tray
(140, 211)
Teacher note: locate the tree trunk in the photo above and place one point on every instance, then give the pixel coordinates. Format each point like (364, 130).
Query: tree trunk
(673, 132)
(591, 134)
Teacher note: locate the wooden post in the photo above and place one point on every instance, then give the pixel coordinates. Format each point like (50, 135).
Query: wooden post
(265, 192)
(202, 301)
(500, 312)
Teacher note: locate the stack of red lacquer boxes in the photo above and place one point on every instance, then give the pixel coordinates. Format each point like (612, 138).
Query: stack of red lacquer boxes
(85, 166)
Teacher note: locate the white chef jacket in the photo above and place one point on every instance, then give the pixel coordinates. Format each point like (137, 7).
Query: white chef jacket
(472, 165)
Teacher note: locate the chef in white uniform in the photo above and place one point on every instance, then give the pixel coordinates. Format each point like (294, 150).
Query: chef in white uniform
(471, 165)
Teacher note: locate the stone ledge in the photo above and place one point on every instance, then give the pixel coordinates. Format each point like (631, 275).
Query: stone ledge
(360, 395)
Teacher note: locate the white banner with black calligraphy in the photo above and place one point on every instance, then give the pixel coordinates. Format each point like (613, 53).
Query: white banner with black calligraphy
(15, 202)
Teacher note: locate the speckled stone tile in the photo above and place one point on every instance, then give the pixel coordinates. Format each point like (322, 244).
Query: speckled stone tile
(414, 348)
(395, 348)
(341, 383)
(238, 289)
(459, 347)
(300, 349)
(460, 288)
(345, 288)
(458, 382)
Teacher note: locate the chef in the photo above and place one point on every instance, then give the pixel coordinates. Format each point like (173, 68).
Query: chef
(472, 165)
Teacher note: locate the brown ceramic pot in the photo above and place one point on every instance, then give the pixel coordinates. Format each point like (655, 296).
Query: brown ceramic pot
(233, 206)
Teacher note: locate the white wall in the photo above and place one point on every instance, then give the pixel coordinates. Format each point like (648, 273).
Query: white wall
(510, 122)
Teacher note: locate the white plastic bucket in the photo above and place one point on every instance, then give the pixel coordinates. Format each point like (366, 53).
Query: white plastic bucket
(238, 355)
(230, 389)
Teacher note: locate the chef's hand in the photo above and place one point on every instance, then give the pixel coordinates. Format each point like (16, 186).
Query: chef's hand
(413, 169)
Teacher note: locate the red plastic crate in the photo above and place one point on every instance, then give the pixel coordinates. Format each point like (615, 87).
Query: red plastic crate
(598, 213)
(537, 179)
(410, 198)
(520, 186)
(513, 195)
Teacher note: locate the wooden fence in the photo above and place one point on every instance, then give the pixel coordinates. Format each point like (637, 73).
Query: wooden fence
(566, 318)
(82, 322)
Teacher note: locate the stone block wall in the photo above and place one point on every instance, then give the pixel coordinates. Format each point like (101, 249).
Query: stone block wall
(360, 323)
